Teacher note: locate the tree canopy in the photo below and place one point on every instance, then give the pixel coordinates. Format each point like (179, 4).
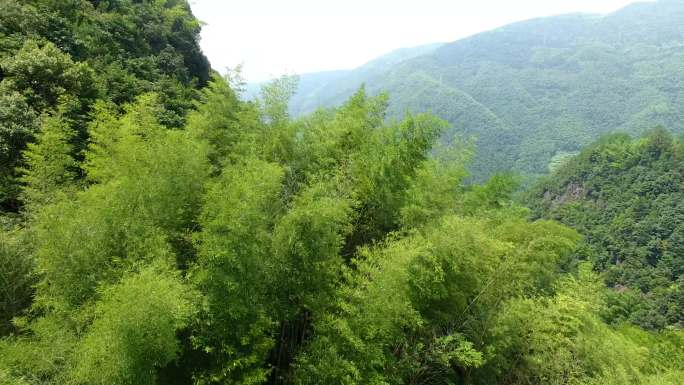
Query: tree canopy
(158, 228)
(340, 247)
(626, 197)
(62, 56)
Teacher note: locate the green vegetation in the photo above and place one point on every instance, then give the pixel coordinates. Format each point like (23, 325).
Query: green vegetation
(169, 232)
(626, 196)
(59, 57)
(534, 90)
(250, 248)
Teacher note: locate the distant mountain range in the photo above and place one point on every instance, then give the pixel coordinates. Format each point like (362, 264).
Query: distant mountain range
(534, 91)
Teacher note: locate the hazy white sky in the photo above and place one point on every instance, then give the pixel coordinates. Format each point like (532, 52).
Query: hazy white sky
(272, 37)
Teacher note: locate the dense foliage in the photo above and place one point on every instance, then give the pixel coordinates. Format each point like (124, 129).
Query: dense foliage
(534, 91)
(627, 198)
(251, 248)
(62, 56)
(169, 235)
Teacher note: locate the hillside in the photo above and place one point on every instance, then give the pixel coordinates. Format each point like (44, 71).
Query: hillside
(627, 198)
(540, 89)
(60, 57)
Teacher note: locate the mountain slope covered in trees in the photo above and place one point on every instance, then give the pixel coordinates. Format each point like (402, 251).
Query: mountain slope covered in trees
(59, 57)
(626, 197)
(534, 91)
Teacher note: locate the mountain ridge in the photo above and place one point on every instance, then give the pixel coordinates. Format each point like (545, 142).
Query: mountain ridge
(566, 79)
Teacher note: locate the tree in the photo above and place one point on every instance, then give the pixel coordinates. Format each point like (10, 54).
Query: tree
(50, 166)
(237, 273)
(17, 277)
(136, 321)
(18, 125)
(148, 193)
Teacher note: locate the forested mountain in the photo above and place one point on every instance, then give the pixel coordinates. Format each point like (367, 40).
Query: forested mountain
(333, 87)
(57, 57)
(534, 91)
(158, 228)
(627, 198)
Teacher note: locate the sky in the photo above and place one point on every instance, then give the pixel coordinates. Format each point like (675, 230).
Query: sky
(274, 37)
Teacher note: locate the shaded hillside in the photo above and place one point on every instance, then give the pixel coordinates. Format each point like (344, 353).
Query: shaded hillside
(551, 85)
(627, 198)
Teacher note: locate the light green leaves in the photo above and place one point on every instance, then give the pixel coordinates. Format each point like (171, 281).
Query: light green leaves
(134, 331)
